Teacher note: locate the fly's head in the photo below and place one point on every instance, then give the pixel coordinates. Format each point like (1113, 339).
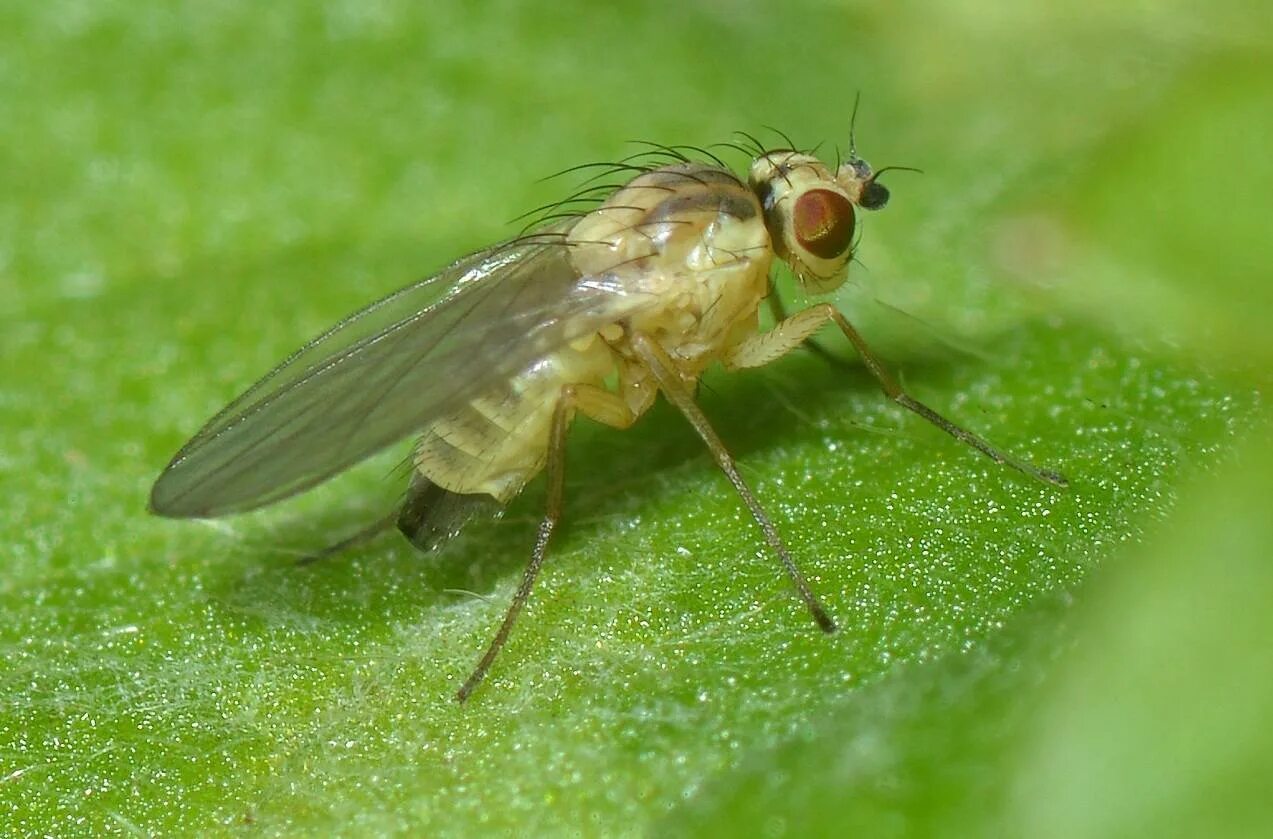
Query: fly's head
(811, 211)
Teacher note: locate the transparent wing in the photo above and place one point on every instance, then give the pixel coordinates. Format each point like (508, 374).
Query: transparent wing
(385, 371)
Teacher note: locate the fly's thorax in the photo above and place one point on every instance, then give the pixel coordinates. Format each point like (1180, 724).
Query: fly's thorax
(667, 216)
(691, 238)
(809, 211)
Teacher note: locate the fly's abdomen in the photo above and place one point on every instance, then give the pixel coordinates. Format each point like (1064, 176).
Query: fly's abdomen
(497, 442)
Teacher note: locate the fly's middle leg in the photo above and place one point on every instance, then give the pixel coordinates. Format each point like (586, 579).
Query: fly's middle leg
(598, 404)
(761, 349)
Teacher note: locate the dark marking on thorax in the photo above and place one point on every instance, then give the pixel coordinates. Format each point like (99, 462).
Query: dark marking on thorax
(701, 188)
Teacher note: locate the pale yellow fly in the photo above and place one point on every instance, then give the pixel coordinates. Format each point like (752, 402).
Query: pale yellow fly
(596, 313)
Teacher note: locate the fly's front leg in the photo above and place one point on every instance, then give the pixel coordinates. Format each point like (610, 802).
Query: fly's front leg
(790, 333)
(666, 374)
(600, 405)
(779, 312)
(785, 336)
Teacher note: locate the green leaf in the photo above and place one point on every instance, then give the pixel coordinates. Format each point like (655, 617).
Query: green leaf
(1156, 725)
(191, 192)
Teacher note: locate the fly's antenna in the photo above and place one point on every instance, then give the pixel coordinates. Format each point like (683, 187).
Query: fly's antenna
(874, 195)
(884, 169)
(853, 125)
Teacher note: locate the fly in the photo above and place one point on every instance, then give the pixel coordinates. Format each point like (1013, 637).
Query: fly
(595, 313)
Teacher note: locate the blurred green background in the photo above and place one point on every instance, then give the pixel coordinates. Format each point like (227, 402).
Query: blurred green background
(189, 191)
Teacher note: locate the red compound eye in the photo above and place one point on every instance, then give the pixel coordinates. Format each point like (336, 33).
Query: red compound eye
(824, 223)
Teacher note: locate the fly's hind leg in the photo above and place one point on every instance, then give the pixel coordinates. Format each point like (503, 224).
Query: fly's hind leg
(355, 539)
(598, 404)
(761, 349)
